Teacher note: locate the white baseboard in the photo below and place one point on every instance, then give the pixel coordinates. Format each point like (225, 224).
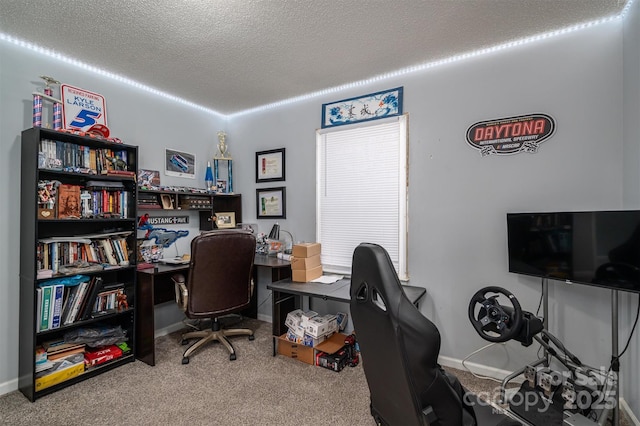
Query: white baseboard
(9, 386)
(625, 407)
(265, 318)
(169, 329)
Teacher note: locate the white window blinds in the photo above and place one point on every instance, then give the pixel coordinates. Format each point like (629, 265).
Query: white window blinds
(362, 180)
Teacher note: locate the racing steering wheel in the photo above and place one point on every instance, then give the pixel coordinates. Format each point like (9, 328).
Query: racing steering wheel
(492, 317)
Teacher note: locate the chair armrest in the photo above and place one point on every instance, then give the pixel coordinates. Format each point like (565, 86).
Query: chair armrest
(182, 295)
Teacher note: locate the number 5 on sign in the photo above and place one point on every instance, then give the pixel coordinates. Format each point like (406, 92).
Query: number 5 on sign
(82, 109)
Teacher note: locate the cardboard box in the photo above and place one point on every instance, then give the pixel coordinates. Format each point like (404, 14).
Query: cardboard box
(297, 351)
(332, 344)
(306, 275)
(293, 318)
(306, 249)
(307, 315)
(321, 326)
(308, 340)
(305, 262)
(307, 354)
(59, 376)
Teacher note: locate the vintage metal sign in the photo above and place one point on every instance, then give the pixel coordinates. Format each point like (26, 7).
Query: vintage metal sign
(511, 135)
(82, 109)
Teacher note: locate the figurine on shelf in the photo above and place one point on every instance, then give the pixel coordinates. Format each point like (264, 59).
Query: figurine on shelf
(118, 164)
(122, 302)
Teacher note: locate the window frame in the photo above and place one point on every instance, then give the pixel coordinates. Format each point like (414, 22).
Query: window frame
(401, 193)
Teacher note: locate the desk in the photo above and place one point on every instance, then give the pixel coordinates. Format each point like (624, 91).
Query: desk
(287, 296)
(155, 286)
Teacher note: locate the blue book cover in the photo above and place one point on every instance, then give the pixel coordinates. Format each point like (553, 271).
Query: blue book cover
(57, 305)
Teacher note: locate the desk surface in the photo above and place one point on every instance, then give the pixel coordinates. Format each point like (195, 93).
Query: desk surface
(259, 260)
(337, 291)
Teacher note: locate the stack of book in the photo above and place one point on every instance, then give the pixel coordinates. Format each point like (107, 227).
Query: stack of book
(148, 201)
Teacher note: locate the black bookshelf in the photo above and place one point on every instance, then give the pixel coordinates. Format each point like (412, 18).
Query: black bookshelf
(73, 166)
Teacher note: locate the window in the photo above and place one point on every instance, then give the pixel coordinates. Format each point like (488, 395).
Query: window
(362, 185)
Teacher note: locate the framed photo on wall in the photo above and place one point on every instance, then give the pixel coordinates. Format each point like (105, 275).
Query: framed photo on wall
(179, 164)
(271, 203)
(270, 165)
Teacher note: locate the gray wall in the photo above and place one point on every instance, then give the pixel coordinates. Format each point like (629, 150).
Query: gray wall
(138, 118)
(631, 135)
(458, 199)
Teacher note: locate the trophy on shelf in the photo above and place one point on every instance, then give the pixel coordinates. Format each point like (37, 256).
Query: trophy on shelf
(223, 186)
(38, 102)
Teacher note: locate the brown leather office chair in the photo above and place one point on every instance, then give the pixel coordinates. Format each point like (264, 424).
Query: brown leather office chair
(219, 283)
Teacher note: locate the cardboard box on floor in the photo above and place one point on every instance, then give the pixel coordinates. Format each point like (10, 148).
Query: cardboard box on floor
(307, 354)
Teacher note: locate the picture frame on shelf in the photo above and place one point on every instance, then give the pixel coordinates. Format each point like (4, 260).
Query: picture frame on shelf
(270, 165)
(271, 203)
(226, 220)
(221, 186)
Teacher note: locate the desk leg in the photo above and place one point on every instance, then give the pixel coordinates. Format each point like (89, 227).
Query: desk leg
(281, 305)
(145, 326)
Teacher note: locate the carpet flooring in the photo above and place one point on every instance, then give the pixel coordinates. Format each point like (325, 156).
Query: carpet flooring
(255, 389)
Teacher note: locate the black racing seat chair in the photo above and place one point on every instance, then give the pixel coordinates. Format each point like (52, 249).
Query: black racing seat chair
(400, 348)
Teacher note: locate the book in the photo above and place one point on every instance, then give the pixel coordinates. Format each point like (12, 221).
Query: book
(73, 314)
(68, 301)
(98, 356)
(46, 308)
(38, 307)
(65, 353)
(69, 201)
(91, 299)
(58, 298)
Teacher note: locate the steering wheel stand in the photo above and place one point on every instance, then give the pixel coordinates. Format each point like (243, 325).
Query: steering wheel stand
(507, 323)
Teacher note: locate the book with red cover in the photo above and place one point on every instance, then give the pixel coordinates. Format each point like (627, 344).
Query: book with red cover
(97, 356)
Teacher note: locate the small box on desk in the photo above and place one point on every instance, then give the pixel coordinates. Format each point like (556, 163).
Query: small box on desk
(305, 275)
(305, 262)
(305, 249)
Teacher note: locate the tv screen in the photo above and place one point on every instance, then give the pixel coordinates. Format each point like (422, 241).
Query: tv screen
(600, 248)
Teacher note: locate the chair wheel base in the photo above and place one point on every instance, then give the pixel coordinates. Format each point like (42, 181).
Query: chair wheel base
(185, 360)
(252, 337)
(232, 357)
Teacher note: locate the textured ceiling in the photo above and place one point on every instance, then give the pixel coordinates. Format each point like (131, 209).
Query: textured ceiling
(233, 55)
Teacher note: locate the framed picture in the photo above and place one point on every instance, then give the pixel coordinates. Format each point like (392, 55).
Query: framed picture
(270, 165)
(148, 178)
(180, 164)
(271, 203)
(226, 219)
(221, 186)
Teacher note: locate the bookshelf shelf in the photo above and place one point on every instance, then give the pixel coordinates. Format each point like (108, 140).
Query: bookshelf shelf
(75, 222)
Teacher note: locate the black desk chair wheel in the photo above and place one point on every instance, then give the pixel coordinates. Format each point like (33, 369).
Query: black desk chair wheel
(400, 348)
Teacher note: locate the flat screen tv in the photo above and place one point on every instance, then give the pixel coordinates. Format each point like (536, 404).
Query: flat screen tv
(600, 248)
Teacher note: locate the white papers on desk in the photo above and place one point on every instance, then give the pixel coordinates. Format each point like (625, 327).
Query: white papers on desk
(328, 279)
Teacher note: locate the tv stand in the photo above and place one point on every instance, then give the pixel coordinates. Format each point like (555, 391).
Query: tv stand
(545, 360)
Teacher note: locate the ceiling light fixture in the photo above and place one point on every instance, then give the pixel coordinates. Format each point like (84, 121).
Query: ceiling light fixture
(408, 70)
